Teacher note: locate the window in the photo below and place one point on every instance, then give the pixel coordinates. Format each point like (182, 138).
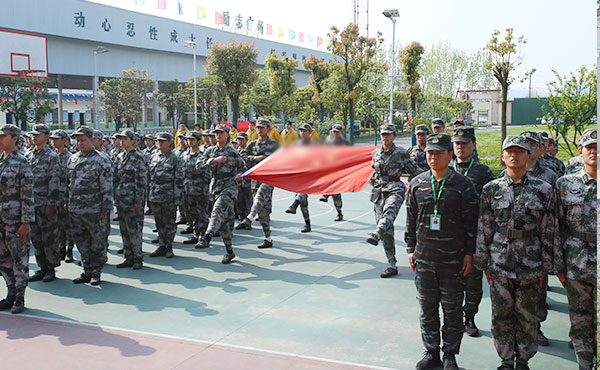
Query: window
(482, 116)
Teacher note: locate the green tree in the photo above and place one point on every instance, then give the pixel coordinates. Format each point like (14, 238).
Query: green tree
(410, 59)
(573, 102)
(320, 71)
(168, 99)
(235, 65)
(18, 100)
(334, 97)
(357, 54)
(504, 59)
(282, 84)
(260, 96)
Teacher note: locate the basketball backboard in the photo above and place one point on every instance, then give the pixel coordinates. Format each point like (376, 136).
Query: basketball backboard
(22, 51)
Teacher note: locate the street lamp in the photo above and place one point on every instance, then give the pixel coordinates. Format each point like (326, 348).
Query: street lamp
(392, 14)
(191, 44)
(98, 50)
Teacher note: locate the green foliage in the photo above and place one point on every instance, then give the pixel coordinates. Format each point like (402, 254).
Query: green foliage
(320, 72)
(234, 64)
(18, 100)
(280, 72)
(260, 95)
(573, 100)
(410, 58)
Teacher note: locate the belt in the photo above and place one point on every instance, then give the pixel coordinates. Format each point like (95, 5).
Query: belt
(586, 237)
(517, 234)
(389, 178)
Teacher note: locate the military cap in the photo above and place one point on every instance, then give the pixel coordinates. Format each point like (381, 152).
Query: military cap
(11, 130)
(532, 135)
(518, 141)
(20, 139)
(164, 136)
(234, 140)
(40, 129)
(459, 121)
(59, 134)
(463, 134)
(127, 133)
(590, 136)
(263, 123)
(97, 134)
(437, 122)
(28, 134)
(137, 136)
(387, 129)
(337, 128)
(182, 134)
(106, 138)
(422, 129)
(83, 130)
(194, 135)
(149, 136)
(206, 132)
(222, 127)
(306, 127)
(544, 135)
(439, 141)
(115, 135)
(243, 135)
(554, 142)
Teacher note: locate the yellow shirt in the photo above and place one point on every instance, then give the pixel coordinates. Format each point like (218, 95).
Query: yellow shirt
(252, 135)
(314, 136)
(275, 135)
(233, 133)
(288, 137)
(177, 143)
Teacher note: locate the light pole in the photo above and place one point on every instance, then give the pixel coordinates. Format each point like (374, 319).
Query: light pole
(392, 14)
(192, 45)
(98, 50)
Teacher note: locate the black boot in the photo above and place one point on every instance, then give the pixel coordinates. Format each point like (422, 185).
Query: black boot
(450, 362)
(323, 198)
(169, 252)
(293, 207)
(38, 275)
(84, 278)
(160, 251)
(8, 302)
(470, 327)
(95, 280)
(430, 360)
(69, 256)
(19, 304)
(306, 227)
(541, 338)
(204, 241)
(246, 224)
(374, 239)
(339, 217)
(266, 244)
(49, 276)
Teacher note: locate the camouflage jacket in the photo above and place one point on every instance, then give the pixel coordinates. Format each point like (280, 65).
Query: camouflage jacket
(223, 174)
(16, 190)
(90, 181)
(46, 176)
(557, 165)
(505, 208)
(130, 179)
(246, 182)
(114, 153)
(256, 148)
(166, 178)
(479, 174)
(196, 181)
(180, 152)
(573, 165)
(63, 161)
(419, 156)
(457, 208)
(388, 168)
(541, 171)
(577, 206)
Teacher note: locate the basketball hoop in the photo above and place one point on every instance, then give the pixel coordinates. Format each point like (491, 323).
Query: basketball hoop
(34, 79)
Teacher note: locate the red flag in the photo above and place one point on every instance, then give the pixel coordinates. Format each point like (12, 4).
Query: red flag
(218, 18)
(316, 169)
(319, 41)
(269, 29)
(300, 37)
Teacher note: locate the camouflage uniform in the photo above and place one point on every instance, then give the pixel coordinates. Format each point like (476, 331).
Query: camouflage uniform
(439, 255)
(573, 165)
(516, 231)
(46, 192)
(195, 189)
(130, 185)
(556, 164)
(387, 194)
(103, 153)
(65, 239)
(244, 199)
(337, 198)
(575, 256)
(419, 156)
(89, 181)
(166, 193)
(16, 208)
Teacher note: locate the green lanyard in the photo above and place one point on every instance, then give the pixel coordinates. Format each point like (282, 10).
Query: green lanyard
(468, 168)
(436, 198)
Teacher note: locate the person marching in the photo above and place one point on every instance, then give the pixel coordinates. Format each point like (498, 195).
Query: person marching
(515, 240)
(387, 194)
(46, 194)
(441, 226)
(90, 189)
(417, 152)
(226, 167)
(257, 151)
(244, 199)
(335, 138)
(302, 199)
(575, 253)
(195, 188)
(166, 193)
(130, 184)
(17, 204)
(464, 163)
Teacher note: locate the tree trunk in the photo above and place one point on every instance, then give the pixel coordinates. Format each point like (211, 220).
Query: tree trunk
(503, 114)
(235, 108)
(117, 124)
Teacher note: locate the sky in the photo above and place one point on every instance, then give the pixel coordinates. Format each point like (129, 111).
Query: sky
(559, 34)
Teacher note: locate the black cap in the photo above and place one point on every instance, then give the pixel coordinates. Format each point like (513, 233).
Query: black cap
(439, 141)
(463, 134)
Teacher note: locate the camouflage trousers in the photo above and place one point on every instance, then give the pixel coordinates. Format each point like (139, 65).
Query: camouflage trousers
(582, 312)
(131, 224)
(514, 320)
(473, 292)
(198, 213)
(65, 239)
(14, 258)
(261, 206)
(44, 237)
(337, 201)
(302, 200)
(222, 215)
(244, 201)
(89, 237)
(442, 284)
(386, 208)
(542, 312)
(164, 217)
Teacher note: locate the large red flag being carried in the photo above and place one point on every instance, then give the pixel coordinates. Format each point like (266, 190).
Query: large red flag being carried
(316, 169)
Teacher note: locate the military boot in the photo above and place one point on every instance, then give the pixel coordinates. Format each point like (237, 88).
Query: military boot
(95, 280)
(541, 338)
(69, 256)
(306, 227)
(85, 277)
(266, 244)
(292, 209)
(38, 275)
(19, 304)
(246, 224)
(169, 252)
(8, 302)
(323, 198)
(160, 251)
(450, 362)
(49, 276)
(374, 239)
(204, 242)
(339, 217)
(522, 366)
(470, 327)
(430, 360)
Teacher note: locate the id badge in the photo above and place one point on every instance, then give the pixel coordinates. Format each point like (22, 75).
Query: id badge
(435, 222)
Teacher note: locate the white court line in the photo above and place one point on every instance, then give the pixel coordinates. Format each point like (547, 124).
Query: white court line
(209, 343)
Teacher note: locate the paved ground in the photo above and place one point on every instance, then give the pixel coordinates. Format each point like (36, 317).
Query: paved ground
(315, 301)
